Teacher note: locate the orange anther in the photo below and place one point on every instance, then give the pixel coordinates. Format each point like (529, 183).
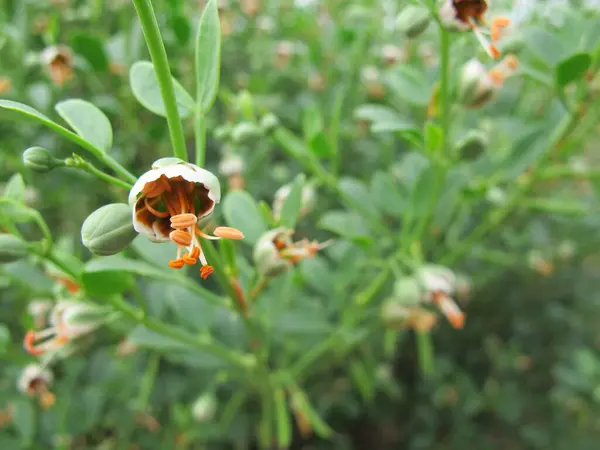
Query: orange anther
(29, 344)
(494, 51)
(228, 233)
(496, 76)
(176, 263)
(183, 220)
(181, 237)
(205, 271)
(501, 22)
(187, 259)
(457, 319)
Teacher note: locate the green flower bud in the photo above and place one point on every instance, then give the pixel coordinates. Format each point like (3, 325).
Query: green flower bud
(108, 230)
(223, 133)
(413, 20)
(472, 145)
(245, 132)
(11, 248)
(40, 160)
(245, 105)
(269, 122)
(475, 87)
(204, 408)
(408, 291)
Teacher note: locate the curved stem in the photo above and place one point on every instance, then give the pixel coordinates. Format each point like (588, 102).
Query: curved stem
(158, 54)
(88, 167)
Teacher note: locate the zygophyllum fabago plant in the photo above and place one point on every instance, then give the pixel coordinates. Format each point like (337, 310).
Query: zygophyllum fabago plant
(272, 311)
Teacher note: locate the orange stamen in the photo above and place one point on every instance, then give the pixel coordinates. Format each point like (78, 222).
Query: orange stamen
(176, 263)
(501, 22)
(228, 233)
(205, 271)
(512, 62)
(182, 221)
(457, 320)
(29, 344)
(155, 211)
(496, 76)
(47, 399)
(181, 237)
(494, 51)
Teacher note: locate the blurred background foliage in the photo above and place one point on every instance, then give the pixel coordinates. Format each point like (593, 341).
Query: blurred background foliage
(525, 370)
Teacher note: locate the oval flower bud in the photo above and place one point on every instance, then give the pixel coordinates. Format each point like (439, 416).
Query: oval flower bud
(231, 164)
(413, 21)
(11, 248)
(472, 145)
(39, 160)
(245, 132)
(408, 291)
(269, 122)
(475, 86)
(204, 408)
(108, 230)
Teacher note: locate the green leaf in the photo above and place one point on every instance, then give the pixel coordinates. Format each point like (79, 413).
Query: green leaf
(545, 45)
(88, 122)
(92, 49)
(383, 119)
(23, 419)
(293, 204)
(433, 138)
(16, 212)
(300, 403)
(388, 195)
(320, 146)
(4, 338)
(145, 88)
(241, 212)
(572, 68)
(408, 84)
(15, 188)
(105, 283)
(208, 56)
(312, 122)
(360, 195)
(147, 338)
(346, 224)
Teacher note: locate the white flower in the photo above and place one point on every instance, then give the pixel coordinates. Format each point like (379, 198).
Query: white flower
(170, 201)
(68, 320)
(440, 283)
(33, 379)
(449, 17)
(275, 252)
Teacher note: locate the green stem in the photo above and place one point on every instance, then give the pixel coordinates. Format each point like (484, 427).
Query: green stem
(200, 130)
(203, 344)
(158, 54)
(438, 160)
(88, 167)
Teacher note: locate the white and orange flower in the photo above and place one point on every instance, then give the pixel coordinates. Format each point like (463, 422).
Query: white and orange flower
(171, 202)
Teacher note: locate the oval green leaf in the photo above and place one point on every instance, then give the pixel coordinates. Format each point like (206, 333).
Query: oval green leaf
(88, 122)
(144, 84)
(208, 57)
(92, 49)
(241, 212)
(572, 68)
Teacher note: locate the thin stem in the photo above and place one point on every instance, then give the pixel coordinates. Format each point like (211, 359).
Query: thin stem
(158, 54)
(203, 344)
(200, 130)
(88, 167)
(438, 160)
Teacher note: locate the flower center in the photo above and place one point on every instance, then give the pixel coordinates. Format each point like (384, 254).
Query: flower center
(171, 207)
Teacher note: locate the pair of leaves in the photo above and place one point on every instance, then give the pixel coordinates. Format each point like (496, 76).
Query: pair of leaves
(90, 124)
(146, 87)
